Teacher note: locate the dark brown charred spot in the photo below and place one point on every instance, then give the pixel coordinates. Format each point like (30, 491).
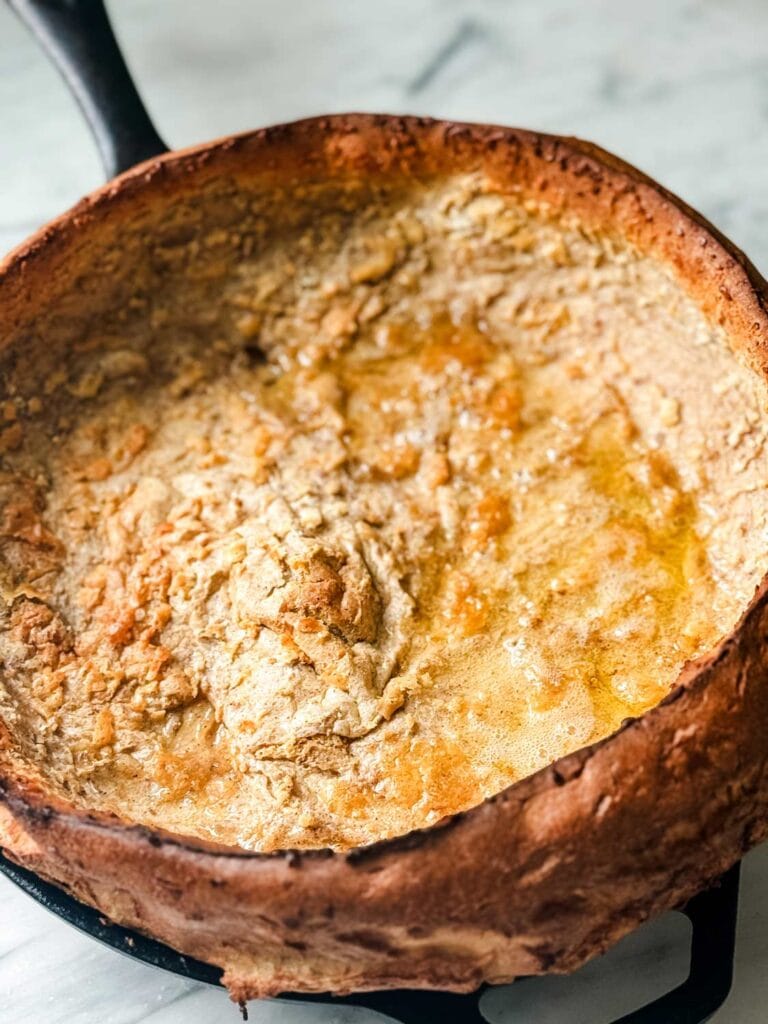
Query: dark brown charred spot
(255, 354)
(370, 940)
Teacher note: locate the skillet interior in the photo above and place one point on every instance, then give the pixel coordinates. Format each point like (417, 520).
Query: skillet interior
(331, 507)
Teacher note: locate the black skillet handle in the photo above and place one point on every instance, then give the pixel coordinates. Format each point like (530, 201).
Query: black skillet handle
(78, 37)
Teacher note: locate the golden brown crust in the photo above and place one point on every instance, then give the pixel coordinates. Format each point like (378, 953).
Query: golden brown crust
(556, 867)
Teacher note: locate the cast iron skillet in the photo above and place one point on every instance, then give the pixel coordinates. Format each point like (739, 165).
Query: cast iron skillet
(79, 39)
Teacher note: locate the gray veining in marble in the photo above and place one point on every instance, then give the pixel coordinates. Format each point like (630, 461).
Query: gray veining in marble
(678, 87)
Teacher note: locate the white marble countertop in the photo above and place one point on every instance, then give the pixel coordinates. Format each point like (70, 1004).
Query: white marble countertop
(678, 87)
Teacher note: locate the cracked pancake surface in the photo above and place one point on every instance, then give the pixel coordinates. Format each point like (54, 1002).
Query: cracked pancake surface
(365, 519)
